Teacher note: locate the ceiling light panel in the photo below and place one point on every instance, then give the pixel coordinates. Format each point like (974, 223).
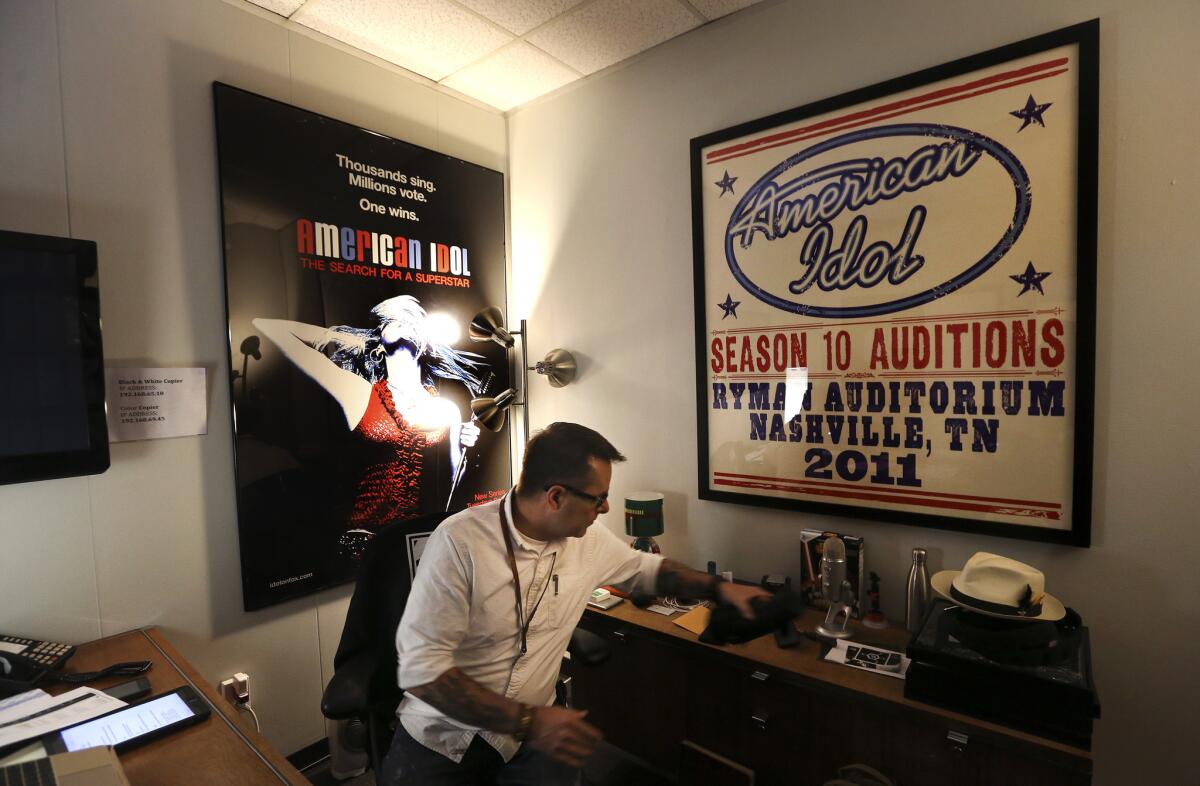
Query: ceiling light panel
(281, 7)
(599, 34)
(431, 37)
(715, 9)
(512, 76)
(520, 16)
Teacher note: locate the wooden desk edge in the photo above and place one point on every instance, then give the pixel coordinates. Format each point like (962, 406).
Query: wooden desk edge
(887, 690)
(267, 752)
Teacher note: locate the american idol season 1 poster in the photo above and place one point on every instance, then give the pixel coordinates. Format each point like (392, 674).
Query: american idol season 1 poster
(354, 263)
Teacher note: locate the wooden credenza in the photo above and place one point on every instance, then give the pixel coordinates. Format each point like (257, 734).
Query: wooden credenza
(790, 717)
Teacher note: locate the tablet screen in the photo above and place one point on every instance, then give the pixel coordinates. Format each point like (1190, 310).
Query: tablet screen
(128, 723)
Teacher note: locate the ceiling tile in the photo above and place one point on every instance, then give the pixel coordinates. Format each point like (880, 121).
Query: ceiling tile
(607, 31)
(714, 9)
(512, 76)
(431, 37)
(520, 16)
(281, 7)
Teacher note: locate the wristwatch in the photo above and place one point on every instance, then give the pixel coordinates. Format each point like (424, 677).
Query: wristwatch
(524, 722)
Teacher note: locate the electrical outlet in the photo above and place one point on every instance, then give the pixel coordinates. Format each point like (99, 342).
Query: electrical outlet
(228, 691)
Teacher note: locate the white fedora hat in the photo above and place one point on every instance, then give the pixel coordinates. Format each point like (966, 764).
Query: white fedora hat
(999, 587)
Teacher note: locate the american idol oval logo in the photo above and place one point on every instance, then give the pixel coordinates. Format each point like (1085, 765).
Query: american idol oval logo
(878, 221)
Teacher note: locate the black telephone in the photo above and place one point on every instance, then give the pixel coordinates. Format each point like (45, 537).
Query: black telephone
(25, 662)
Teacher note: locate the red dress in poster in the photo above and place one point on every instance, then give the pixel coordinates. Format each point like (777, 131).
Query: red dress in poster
(383, 379)
(389, 485)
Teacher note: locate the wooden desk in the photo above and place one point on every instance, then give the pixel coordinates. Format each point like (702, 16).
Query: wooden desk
(218, 750)
(791, 717)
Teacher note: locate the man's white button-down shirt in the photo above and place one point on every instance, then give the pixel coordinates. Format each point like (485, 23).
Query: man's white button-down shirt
(462, 613)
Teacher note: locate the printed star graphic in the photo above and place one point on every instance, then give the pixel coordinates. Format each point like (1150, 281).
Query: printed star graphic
(1030, 279)
(730, 306)
(1032, 113)
(726, 184)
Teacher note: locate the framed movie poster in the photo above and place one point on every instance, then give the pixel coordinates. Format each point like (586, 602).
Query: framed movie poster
(354, 263)
(895, 297)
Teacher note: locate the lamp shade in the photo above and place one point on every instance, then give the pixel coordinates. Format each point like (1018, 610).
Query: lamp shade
(489, 412)
(488, 325)
(644, 514)
(558, 367)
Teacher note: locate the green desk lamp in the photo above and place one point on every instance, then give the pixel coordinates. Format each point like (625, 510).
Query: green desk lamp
(644, 519)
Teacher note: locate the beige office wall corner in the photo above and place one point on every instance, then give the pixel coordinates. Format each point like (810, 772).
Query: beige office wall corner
(602, 260)
(471, 133)
(358, 92)
(118, 145)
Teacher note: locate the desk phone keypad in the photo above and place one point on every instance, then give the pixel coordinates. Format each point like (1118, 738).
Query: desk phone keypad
(46, 653)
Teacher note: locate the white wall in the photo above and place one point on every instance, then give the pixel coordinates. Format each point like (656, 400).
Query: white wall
(107, 134)
(602, 260)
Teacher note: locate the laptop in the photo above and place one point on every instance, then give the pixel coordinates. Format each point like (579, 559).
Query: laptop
(88, 767)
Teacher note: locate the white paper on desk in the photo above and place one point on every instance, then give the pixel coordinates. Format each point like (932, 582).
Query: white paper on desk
(44, 714)
(860, 656)
(20, 698)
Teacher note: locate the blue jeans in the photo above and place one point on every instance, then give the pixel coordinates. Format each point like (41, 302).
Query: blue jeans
(409, 763)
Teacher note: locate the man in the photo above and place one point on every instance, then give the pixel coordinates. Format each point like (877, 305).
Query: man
(479, 669)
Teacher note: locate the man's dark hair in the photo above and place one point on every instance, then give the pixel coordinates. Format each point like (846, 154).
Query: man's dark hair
(559, 453)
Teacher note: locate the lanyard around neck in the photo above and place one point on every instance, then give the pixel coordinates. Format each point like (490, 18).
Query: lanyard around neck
(512, 564)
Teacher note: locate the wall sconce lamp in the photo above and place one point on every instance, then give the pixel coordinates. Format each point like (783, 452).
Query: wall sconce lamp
(489, 413)
(558, 366)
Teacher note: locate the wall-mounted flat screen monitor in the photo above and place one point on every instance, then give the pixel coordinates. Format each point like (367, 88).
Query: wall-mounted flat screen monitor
(52, 421)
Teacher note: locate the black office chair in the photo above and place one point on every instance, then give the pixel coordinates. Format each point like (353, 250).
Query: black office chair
(363, 687)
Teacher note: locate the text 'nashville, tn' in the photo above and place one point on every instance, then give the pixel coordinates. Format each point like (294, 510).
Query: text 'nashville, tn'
(378, 253)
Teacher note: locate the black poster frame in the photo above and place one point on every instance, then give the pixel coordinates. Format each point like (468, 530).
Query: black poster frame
(280, 166)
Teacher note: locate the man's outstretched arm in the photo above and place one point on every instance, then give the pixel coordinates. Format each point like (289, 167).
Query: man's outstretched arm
(678, 580)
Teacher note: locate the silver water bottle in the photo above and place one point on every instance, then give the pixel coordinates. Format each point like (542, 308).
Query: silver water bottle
(916, 602)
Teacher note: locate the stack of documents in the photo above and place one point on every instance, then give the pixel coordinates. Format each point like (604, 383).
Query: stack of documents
(36, 713)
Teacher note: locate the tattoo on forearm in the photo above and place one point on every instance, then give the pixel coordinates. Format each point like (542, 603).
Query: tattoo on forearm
(465, 700)
(678, 580)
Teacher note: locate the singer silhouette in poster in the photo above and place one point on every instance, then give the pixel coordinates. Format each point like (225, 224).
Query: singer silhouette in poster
(385, 380)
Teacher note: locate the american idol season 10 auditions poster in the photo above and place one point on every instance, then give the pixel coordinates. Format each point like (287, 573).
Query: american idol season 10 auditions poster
(895, 298)
(354, 263)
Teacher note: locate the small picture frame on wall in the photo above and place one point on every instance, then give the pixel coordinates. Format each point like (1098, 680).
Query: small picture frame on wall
(895, 298)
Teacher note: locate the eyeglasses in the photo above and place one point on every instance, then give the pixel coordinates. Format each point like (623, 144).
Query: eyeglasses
(596, 499)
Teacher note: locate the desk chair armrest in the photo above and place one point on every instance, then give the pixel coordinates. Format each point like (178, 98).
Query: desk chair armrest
(587, 648)
(348, 693)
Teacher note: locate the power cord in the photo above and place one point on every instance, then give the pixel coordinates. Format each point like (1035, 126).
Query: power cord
(677, 605)
(126, 669)
(253, 715)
